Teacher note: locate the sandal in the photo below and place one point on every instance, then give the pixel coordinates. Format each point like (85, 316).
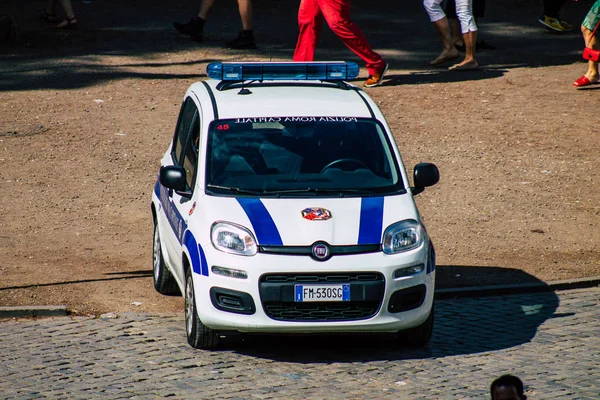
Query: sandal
(584, 81)
(68, 24)
(48, 17)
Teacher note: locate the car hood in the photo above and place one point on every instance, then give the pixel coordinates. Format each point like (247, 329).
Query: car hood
(297, 222)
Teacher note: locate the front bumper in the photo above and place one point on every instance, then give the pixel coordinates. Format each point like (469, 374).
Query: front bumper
(264, 302)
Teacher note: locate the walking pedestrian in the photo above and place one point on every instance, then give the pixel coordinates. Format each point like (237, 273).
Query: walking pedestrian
(337, 15)
(478, 13)
(194, 28)
(550, 18)
(588, 27)
(464, 12)
(50, 14)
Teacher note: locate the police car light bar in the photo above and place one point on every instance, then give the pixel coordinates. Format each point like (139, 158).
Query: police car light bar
(244, 71)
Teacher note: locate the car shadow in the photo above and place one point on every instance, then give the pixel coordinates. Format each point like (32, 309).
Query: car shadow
(463, 325)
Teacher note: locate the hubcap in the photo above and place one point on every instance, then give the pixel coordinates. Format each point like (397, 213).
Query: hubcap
(189, 306)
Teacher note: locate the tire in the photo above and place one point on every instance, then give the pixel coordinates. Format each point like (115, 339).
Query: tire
(198, 335)
(419, 336)
(164, 282)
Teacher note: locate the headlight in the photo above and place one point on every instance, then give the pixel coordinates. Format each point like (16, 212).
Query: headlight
(234, 239)
(403, 236)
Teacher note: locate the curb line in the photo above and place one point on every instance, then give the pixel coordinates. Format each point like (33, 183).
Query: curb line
(33, 311)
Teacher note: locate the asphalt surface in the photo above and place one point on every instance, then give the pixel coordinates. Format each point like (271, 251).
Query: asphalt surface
(549, 339)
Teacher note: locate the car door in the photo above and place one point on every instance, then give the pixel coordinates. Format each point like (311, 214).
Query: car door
(177, 208)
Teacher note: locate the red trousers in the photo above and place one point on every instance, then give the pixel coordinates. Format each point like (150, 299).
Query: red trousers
(337, 16)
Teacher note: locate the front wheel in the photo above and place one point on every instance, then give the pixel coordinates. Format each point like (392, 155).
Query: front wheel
(418, 336)
(198, 335)
(164, 282)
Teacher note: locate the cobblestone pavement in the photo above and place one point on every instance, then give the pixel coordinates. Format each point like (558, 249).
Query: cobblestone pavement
(551, 340)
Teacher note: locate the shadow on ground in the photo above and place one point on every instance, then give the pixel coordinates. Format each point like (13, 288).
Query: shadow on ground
(462, 326)
(401, 32)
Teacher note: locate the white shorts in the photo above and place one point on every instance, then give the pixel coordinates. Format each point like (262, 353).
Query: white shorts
(464, 12)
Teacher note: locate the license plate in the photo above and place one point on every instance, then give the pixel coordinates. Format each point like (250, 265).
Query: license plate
(306, 293)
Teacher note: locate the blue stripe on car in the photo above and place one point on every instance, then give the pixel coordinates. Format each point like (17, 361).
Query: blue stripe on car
(175, 219)
(371, 220)
(262, 223)
(197, 257)
(203, 262)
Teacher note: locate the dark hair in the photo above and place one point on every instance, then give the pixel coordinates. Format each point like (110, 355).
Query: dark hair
(508, 380)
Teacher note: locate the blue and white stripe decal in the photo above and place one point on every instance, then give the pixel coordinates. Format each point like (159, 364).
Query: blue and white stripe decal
(262, 222)
(175, 219)
(371, 220)
(198, 259)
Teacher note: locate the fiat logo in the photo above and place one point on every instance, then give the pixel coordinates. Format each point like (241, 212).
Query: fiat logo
(321, 251)
(316, 214)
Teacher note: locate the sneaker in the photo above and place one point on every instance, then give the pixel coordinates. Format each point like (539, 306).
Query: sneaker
(194, 28)
(566, 25)
(376, 78)
(555, 24)
(244, 41)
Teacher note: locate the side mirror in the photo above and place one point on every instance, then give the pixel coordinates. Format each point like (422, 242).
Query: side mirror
(173, 177)
(424, 175)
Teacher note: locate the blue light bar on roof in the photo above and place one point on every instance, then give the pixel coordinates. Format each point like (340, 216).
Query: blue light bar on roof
(256, 71)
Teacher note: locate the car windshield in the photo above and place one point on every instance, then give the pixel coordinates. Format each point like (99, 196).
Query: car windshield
(291, 156)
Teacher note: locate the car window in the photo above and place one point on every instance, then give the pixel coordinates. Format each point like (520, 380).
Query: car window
(288, 154)
(190, 155)
(186, 117)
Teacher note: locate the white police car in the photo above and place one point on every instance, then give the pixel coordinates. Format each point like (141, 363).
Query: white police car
(282, 205)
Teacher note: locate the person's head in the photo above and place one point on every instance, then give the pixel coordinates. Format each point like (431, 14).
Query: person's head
(507, 387)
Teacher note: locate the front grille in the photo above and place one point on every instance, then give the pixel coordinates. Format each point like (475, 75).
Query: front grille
(321, 311)
(366, 296)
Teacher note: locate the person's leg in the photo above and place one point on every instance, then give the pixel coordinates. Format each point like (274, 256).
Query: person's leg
(464, 11)
(552, 7)
(310, 20)
(50, 14)
(245, 8)
(194, 28)
(71, 21)
(337, 15)
(205, 7)
(455, 33)
(587, 27)
(245, 39)
(550, 18)
(441, 25)
(592, 71)
(66, 5)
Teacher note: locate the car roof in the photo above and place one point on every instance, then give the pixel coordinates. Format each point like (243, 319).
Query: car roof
(288, 98)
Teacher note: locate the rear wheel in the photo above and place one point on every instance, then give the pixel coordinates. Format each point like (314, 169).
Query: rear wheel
(421, 335)
(164, 282)
(198, 335)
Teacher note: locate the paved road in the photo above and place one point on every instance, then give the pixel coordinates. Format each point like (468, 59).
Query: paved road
(551, 340)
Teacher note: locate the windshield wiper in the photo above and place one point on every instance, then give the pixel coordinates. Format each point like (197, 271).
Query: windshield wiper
(235, 189)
